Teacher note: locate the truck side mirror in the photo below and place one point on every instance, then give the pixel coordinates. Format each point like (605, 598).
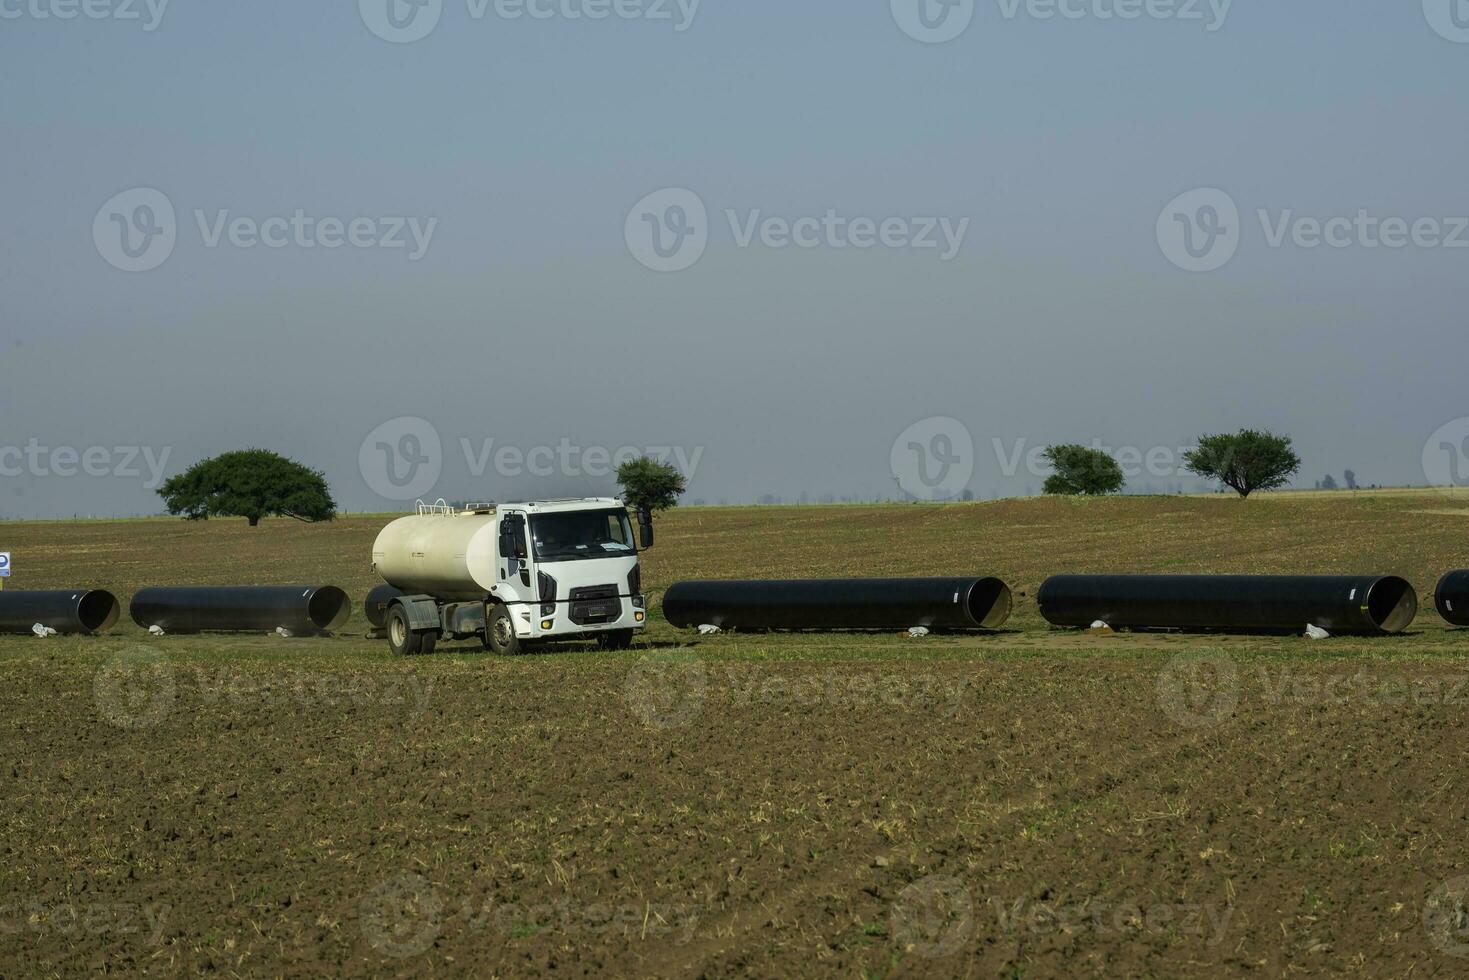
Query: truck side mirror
(645, 528)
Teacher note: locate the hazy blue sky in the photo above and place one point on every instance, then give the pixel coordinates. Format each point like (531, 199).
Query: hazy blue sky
(531, 317)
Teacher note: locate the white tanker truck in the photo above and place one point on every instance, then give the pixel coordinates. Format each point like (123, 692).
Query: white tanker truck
(514, 573)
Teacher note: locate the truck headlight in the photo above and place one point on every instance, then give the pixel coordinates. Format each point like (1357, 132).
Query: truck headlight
(547, 586)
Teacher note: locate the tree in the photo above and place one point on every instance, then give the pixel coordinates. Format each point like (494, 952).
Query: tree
(252, 484)
(1083, 472)
(1246, 461)
(650, 485)
(1351, 479)
(1329, 483)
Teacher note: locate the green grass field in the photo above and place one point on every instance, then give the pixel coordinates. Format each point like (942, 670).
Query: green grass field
(1028, 803)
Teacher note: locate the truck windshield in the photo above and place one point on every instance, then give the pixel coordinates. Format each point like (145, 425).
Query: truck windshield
(582, 535)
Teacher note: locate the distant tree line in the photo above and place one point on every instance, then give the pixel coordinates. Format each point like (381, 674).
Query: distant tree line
(1328, 482)
(1246, 461)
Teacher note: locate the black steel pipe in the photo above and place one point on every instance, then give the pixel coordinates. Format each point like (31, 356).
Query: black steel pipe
(301, 609)
(840, 604)
(68, 611)
(1240, 603)
(1452, 597)
(376, 606)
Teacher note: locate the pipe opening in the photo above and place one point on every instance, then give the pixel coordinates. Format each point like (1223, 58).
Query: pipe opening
(1392, 604)
(329, 609)
(990, 603)
(98, 611)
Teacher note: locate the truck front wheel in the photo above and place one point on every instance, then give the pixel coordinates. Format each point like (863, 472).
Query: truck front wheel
(401, 638)
(500, 633)
(615, 640)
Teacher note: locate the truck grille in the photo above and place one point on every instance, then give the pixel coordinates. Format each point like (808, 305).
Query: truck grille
(595, 604)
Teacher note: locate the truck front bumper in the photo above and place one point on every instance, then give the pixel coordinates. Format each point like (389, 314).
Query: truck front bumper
(531, 625)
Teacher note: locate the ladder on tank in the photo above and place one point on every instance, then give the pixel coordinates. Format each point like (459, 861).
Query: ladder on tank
(442, 508)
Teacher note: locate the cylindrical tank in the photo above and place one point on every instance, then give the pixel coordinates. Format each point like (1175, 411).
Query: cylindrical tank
(68, 611)
(840, 604)
(376, 606)
(1245, 603)
(301, 609)
(450, 557)
(1452, 597)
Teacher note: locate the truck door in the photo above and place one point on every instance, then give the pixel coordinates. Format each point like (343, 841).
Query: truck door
(514, 550)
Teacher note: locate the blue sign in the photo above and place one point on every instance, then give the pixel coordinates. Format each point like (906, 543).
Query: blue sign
(4, 564)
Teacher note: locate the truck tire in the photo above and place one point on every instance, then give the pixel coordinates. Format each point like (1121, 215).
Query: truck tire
(615, 640)
(500, 633)
(401, 638)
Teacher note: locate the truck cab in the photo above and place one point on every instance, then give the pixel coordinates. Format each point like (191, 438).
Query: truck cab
(566, 569)
(515, 573)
